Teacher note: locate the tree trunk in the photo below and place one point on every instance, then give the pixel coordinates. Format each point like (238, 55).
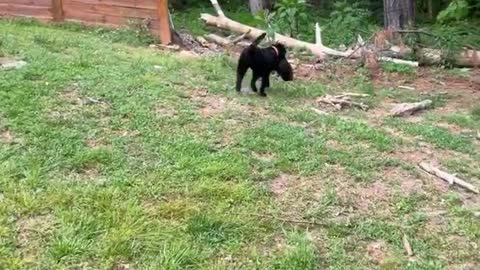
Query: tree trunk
(259, 5)
(399, 14)
(430, 9)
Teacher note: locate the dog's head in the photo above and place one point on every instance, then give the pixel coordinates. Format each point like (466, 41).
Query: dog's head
(284, 69)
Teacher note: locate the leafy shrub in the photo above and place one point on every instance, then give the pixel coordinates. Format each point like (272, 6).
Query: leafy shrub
(289, 17)
(456, 10)
(345, 20)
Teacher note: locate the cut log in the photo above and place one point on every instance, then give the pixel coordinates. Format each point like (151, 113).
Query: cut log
(406, 109)
(451, 179)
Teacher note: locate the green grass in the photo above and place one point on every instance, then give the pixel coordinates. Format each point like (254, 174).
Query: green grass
(107, 159)
(438, 136)
(397, 68)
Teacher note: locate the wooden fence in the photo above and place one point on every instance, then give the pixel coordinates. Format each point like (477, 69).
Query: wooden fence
(97, 12)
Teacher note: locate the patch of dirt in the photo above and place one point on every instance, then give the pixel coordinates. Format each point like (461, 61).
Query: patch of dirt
(265, 157)
(370, 196)
(96, 143)
(7, 63)
(377, 251)
(122, 266)
(30, 230)
(73, 96)
(211, 105)
(163, 111)
(6, 136)
(280, 184)
(411, 186)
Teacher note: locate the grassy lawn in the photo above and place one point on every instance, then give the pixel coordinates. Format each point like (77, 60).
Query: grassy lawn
(117, 156)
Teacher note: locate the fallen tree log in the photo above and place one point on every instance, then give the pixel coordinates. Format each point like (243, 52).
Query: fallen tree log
(221, 21)
(466, 58)
(406, 109)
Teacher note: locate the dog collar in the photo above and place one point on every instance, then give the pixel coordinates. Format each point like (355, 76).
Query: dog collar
(276, 50)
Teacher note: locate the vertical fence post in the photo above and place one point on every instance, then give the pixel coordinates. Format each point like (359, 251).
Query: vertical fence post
(164, 21)
(57, 10)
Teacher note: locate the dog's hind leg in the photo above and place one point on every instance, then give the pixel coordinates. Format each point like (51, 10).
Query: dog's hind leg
(241, 71)
(265, 82)
(253, 83)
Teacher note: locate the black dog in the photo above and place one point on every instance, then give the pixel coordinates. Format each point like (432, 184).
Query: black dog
(263, 61)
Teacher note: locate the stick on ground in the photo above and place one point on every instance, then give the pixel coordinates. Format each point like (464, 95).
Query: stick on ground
(451, 179)
(408, 247)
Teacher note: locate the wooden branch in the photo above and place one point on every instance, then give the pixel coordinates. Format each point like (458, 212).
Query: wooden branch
(318, 35)
(242, 36)
(406, 87)
(319, 112)
(217, 7)
(340, 101)
(451, 179)
(352, 95)
(218, 39)
(406, 109)
(305, 222)
(407, 246)
(398, 61)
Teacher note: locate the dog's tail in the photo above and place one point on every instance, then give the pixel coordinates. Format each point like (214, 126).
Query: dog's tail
(259, 39)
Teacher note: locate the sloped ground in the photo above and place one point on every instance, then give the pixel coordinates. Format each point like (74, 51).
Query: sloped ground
(120, 157)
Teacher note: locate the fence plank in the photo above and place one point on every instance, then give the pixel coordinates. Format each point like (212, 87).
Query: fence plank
(163, 20)
(57, 10)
